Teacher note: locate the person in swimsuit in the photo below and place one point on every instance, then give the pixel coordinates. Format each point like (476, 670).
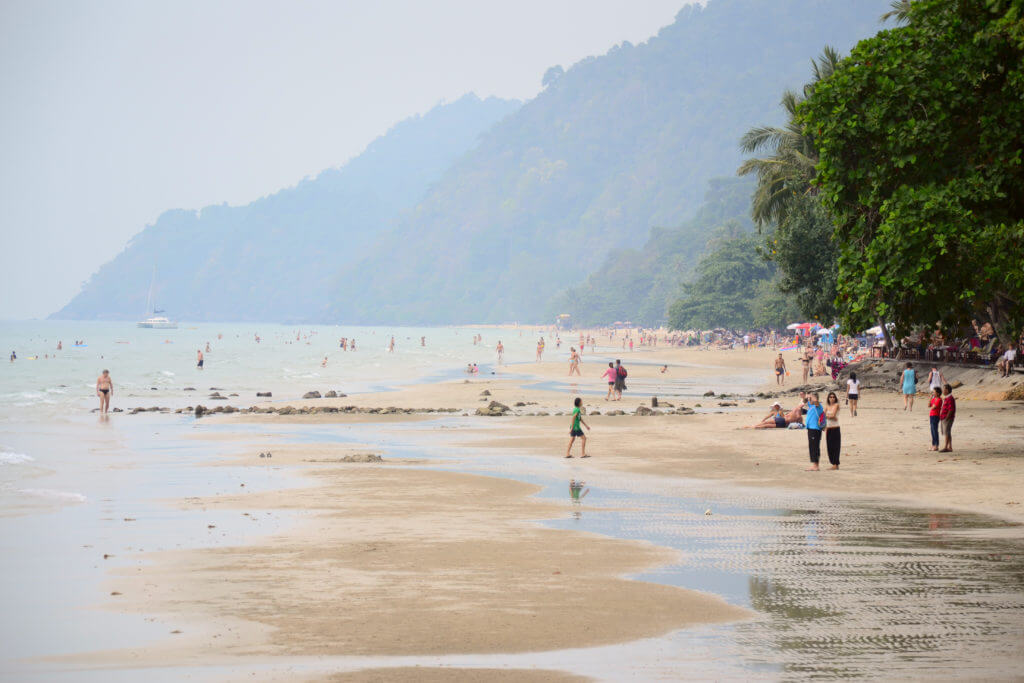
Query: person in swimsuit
(774, 420)
(805, 359)
(199, 357)
(574, 362)
(780, 370)
(575, 431)
(501, 353)
(104, 389)
(909, 387)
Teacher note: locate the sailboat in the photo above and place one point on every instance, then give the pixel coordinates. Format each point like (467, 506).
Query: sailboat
(154, 321)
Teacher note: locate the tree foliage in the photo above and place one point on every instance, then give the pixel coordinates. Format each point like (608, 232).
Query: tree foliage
(920, 134)
(723, 291)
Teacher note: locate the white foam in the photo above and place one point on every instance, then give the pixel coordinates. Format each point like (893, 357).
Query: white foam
(12, 458)
(66, 496)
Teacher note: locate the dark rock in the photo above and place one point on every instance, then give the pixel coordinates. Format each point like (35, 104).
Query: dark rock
(200, 411)
(216, 389)
(519, 404)
(189, 389)
(232, 394)
(485, 392)
(709, 393)
(643, 410)
(263, 394)
(230, 409)
(311, 394)
(727, 404)
(654, 401)
(117, 410)
(331, 394)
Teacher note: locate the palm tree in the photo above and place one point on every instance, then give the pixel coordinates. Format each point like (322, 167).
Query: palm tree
(900, 11)
(786, 173)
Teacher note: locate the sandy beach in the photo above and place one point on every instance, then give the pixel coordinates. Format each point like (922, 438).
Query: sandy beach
(400, 558)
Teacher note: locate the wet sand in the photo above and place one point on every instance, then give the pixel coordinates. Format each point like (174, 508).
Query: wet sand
(390, 559)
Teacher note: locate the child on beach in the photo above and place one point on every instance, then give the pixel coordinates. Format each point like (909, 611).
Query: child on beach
(575, 431)
(610, 374)
(934, 408)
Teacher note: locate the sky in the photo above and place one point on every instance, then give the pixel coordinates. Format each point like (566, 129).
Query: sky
(113, 112)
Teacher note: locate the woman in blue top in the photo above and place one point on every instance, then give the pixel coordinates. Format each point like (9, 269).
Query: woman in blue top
(814, 420)
(909, 387)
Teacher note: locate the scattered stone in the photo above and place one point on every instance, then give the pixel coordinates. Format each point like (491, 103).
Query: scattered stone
(287, 410)
(493, 409)
(727, 404)
(331, 394)
(200, 410)
(232, 394)
(311, 394)
(117, 410)
(709, 393)
(362, 457)
(216, 389)
(485, 392)
(263, 394)
(189, 389)
(956, 384)
(654, 401)
(520, 404)
(114, 593)
(643, 410)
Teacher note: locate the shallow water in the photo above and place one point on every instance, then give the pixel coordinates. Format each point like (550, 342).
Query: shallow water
(841, 588)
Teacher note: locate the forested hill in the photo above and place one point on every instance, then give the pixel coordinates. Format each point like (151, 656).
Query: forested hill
(637, 285)
(613, 146)
(275, 258)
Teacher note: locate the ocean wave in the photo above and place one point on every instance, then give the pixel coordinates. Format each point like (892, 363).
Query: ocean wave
(65, 496)
(12, 458)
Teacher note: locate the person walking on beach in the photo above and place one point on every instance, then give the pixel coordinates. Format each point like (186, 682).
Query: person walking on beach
(104, 389)
(391, 345)
(934, 410)
(501, 353)
(575, 431)
(574, 362)
(853, 393)
(540, 349)
(780, 370)
(610, 374)
(909, 387)
(936, 379)
(947, 413)
(199, 359)
(833, 438)
(814, 420)
(620, 380)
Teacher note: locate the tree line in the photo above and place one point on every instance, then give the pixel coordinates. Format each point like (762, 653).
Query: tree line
(894, 192)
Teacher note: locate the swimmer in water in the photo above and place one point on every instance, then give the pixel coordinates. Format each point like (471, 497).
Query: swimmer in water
(323, 363)
(199, 358)
(104, 389)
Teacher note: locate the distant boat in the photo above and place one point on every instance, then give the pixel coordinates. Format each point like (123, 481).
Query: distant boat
(156, 322)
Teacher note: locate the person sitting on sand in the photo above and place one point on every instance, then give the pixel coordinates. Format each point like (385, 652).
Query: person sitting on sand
(664, 369)
(575, 431)
(104, 389)
(774, 420)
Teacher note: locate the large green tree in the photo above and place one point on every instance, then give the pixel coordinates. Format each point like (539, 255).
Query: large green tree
(724, 290)
(920, 135)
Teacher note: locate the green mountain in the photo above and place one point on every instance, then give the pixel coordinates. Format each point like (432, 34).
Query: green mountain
(274, 259)
(613, 146)
(637, 285)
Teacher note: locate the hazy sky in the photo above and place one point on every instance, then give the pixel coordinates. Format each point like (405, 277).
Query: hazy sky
(112, 112)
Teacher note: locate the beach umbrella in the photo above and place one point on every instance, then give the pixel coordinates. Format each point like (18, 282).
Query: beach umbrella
(792, 326)
(874, 330)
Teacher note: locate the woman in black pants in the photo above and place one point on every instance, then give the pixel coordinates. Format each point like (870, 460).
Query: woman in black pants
(833, 439)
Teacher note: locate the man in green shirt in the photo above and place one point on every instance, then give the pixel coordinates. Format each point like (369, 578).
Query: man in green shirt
(574, 430)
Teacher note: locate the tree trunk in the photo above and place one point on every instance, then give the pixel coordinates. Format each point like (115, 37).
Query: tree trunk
(885, 333)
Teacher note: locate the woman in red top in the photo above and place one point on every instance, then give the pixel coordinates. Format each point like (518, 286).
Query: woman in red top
(947, 413)
(934, 405)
